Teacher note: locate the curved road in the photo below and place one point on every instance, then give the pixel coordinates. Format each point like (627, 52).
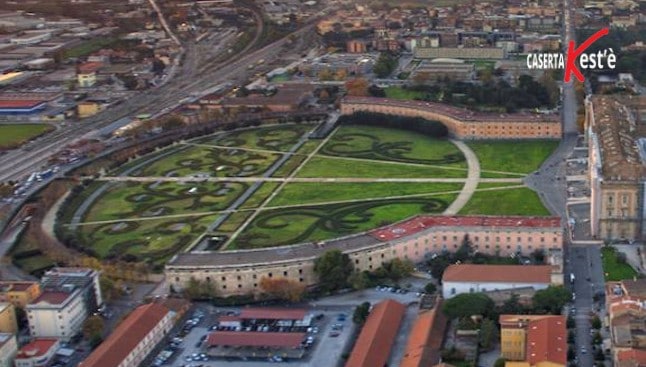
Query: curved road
(471, 183)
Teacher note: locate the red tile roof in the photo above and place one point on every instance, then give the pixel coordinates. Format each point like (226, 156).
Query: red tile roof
(273, 314)
(632, 355)
(421, 223)
(53, 298)
(547, 340)
(372, 348)
(255, 339)
(27, 103)
(126, 336)
(37, 348)
(498, 273)
(425, 339)
(89, 67)
(16, 286)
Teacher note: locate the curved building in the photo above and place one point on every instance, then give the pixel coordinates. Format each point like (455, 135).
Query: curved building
(463, 123)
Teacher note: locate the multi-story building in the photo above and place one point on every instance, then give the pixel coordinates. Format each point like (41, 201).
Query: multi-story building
(616, 134)
(8, 349)
(626, 315)
(470, 53)
(19, 293)
(134, 338)
(463, 123)
(415, 239)
(533, 340)
(476, 278)
(453, 69)
(57, 314)
(86, 74)
(8, 322)
(38, 353)
(85, 279)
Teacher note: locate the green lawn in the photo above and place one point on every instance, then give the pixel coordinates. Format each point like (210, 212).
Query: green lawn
(327, 167)
(88, 47)
(272, 137)
(403, 94)
(615, 270)
(512, 156)
(520, 201)
(260, 195)
(396, 145)
(15, 135)
(135, 200)
(312, 193)
(286, 226)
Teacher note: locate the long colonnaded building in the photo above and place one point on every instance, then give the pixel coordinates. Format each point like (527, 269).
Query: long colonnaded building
(615, 129)
(418, 238)
(463, 123)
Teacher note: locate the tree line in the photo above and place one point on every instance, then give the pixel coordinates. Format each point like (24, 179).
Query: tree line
(417, 124)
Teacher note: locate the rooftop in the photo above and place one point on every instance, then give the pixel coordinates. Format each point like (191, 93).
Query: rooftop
(498, 273)
(618, 124)
(377, 336)
(409, 227)
(425, 339)
(52, 298)
(37, 348)
(20, 103)
(255, 339)
(272, 314)
(15, 286)
(547, 340)
(126, 336)
(458, 113)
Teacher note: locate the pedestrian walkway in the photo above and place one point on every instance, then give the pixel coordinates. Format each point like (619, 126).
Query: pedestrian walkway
(471, 184)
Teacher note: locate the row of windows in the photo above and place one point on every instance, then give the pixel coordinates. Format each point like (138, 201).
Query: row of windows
(254, 276)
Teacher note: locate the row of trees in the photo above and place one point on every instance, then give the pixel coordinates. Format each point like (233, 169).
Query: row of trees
(431, 128)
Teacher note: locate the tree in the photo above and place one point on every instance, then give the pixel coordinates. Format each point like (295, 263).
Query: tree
(539, 256)
(357, 87)
(488, 334)
(500, 362)
(361, 313)
(110, 289)
(551, 300)
(93, 327)
(430, 288)
(598, 355)
(596, 322)
(438, 265)
(385, 65)
(326, 75)
(283, 288)
(333, 269)
(421, 77)
(465, 250)
(467, 305)
(512, 306)
(360, 280)
(570, 323)
(196, 289)
(597, 339)
(398, 269)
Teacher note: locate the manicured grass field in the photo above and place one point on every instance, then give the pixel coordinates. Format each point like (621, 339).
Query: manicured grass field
(88, 47)
(314, 223)
(326, 167)
(312, 193)
(136, 200)
(15, 135)
(613, 269)
(392, 145)
(512, 156)
(521, 201)
(272, 137)
(402, 94)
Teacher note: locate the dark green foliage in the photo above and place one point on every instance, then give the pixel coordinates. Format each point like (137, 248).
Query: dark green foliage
(361, 313)
(333, 269)
(385, 65)
(551, 300)
(431, 128)
(430, 288)
(468, 304)
(488, 334)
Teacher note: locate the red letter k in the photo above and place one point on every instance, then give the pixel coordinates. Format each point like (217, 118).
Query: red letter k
(573, 54)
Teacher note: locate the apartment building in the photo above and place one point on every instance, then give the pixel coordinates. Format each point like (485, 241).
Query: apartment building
(8, 349)
(626, 315)
(38, 353)
(533, 340)
(463, 123)
(85, 279)
(57, 314)
(8, 322)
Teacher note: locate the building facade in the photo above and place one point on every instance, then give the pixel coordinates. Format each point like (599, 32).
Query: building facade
(19, 293)
(8, 349)
(416, 239)
(536, 340)
(8, 322)
(474, 278)
(38, 353)
(134, 338)
(463, 123)
(616, 135)
(57, 314)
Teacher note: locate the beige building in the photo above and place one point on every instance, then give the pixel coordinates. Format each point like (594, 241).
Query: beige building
(57, 314)
(415, 239)
(470, 53)
(8, 322)
(8, 349)
(463, 123)
(616, 136)
(19, 293)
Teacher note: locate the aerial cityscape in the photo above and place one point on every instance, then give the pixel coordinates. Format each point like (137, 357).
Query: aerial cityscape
(370, 183)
